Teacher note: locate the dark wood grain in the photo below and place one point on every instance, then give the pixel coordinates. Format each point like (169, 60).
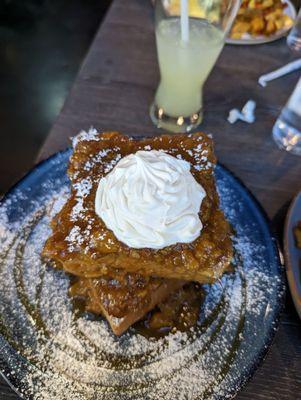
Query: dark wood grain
(113, 91)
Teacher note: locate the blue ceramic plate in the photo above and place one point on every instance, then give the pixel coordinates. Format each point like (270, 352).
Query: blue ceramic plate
(48, 352)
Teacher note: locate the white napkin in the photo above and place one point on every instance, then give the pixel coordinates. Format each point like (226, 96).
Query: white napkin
(247, 114)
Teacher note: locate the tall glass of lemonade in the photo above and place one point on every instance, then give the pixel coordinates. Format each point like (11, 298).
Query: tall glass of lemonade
(185, 63)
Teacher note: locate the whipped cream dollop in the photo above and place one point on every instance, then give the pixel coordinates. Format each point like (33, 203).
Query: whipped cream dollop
(150, 199)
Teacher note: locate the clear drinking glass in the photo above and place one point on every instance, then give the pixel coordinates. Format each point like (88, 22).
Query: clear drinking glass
(185, 65)
(287, 128)
(294, 37)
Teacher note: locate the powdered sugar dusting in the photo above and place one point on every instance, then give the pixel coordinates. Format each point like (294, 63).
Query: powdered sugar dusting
(74, 238)
(76, 357)
(82, 190)
(91, 135)
(112, 164)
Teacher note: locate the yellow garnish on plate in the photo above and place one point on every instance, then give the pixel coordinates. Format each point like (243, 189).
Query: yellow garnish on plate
(209, 9)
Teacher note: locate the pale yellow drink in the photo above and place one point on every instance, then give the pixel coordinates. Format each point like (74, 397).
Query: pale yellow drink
(184, 66)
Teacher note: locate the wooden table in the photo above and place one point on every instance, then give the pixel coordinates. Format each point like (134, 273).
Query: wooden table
(113, 91)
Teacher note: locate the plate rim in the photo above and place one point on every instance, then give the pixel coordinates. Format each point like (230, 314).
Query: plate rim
(296, 294)
(13, 381)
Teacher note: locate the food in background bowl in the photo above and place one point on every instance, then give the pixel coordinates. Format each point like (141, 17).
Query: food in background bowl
(261, 18)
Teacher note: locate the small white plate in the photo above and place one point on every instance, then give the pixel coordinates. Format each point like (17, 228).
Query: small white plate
(260, 39)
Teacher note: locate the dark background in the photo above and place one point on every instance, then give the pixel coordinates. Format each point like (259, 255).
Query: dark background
(42, 44)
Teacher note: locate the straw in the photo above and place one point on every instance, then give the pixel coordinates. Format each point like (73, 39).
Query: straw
(184, 21)
(278, 73)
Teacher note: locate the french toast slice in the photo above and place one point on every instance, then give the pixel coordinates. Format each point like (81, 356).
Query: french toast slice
(126, 301)
(85, 247)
